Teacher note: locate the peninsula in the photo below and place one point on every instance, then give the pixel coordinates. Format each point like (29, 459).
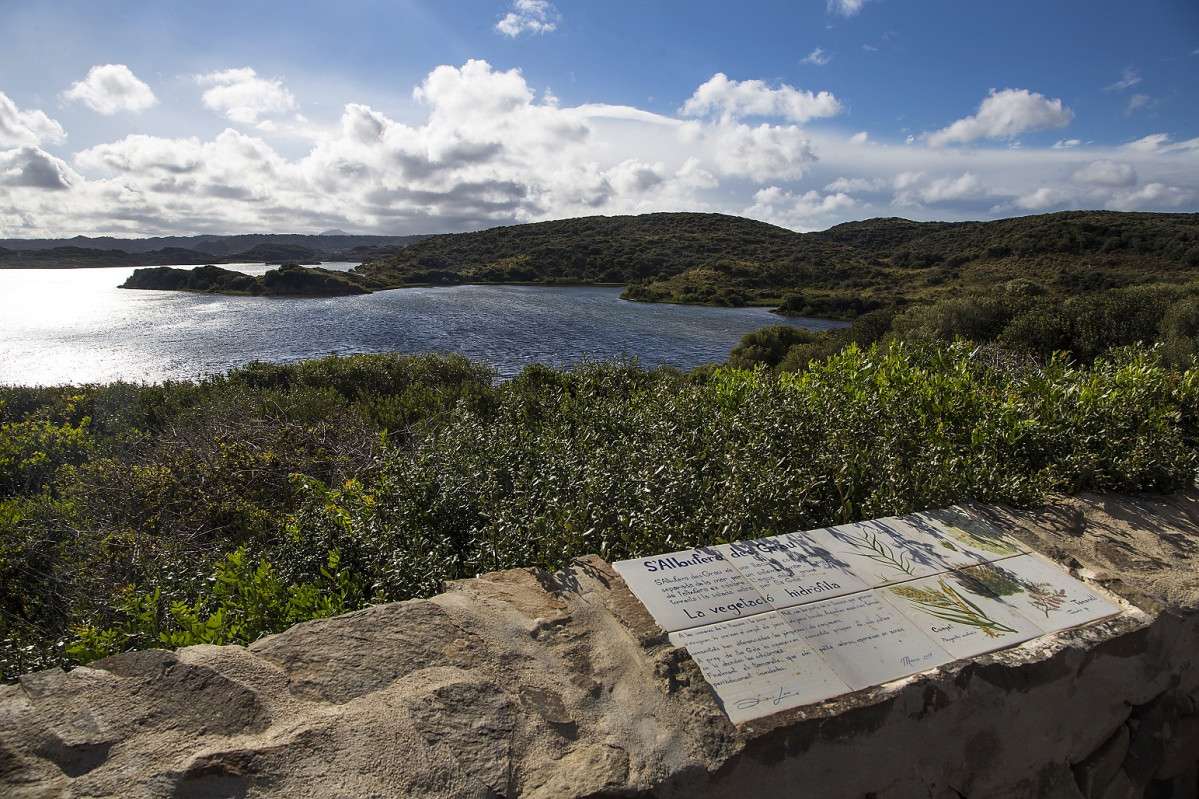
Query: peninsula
(714, 259)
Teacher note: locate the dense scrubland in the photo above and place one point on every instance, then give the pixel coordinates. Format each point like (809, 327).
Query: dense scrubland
(841, 272)
(222, 509)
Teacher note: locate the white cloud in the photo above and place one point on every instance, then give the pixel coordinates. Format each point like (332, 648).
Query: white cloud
(528, 16)
(810, 210)
(1066, 144)
(1138, 101)
(966, 185)
(817, 57)
(1151, 143)
(761, 153)
(242, 96)
(846, 8)
(861, 137)
(30, 167)
(731, 99)
(24, 128)
(1004, 115)
(1153, 196)
(1043, 199)
(1130, 79)
(110, 89)
(856, 185)
(907, 179)
(479, 147)
(1104, 172)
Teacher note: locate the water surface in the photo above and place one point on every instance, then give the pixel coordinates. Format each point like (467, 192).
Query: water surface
(75, 326)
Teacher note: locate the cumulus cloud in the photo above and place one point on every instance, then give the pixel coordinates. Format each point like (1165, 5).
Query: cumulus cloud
(24, 128)
(1004, 115)
(481, 147)
(731, 99)
(242, 96)
(528, 16)
(808, 210)
(957, 188)
(111, 88)
(1104, 172)
(1152, 196)
(1043, 199)
(32, 168)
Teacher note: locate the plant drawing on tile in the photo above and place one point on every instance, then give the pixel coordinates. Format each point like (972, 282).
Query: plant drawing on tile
(1042, 596)
(948, 605)
(869, 546)
(987, 579)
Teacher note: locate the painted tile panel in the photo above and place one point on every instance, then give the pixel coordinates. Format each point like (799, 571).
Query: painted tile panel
(961, 615)
(865, 638)
(792, 569)
(690, 588)
(758, 665)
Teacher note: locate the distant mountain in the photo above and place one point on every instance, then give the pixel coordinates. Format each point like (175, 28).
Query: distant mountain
(333, 240)
(82, 251)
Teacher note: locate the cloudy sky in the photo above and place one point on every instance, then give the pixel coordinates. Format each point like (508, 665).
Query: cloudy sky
(156, 117)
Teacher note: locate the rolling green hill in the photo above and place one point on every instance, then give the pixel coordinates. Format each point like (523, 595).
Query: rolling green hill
(850, 268)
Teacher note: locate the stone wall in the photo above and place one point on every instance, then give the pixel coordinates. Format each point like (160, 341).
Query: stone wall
(523, 683)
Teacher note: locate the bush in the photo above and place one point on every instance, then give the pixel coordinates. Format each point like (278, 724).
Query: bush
(241, 509)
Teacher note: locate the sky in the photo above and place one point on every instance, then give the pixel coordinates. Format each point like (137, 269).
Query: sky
(172, 117)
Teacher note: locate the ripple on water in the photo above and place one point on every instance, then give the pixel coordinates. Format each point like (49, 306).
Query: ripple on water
(75, 326)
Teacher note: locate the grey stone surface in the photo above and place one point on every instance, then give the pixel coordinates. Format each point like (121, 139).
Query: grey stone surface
(523, 683)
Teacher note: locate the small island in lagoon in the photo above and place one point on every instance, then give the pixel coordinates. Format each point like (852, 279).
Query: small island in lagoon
(289, 280)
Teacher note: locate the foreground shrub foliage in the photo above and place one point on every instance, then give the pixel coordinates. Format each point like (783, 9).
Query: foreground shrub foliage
(219, 511)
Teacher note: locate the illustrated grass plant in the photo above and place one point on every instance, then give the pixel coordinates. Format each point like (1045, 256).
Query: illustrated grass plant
(948, 605)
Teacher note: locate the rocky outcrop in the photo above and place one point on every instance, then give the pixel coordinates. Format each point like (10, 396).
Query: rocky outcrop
(524, 683)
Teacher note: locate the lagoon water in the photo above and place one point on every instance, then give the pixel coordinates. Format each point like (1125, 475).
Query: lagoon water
(62, 326)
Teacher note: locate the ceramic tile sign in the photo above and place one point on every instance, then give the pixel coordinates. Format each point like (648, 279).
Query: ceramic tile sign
(792, 569)
(960, 614)
(865, 638)
(967, 531)
(885, 551)
(758, 665)
(1049, 597)
(691, 588)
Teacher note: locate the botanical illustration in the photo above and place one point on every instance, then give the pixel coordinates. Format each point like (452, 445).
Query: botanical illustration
(987, 579)
(869, 546)
(948, 605)
(973, 532)
(1044, 598)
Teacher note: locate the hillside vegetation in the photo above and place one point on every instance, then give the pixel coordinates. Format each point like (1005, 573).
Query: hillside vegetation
(218, 511)
(849, 269)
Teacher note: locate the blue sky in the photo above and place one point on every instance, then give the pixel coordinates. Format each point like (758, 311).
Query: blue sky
(137, 118)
